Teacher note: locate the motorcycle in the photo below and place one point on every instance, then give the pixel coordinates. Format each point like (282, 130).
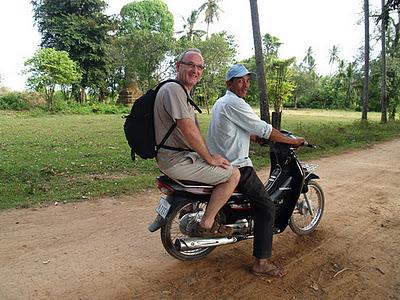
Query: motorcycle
(292, 186)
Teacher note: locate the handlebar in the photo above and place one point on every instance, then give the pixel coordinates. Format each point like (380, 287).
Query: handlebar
(266, 142)
(307, 144)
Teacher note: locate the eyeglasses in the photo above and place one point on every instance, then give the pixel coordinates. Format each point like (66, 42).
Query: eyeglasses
(193, 65)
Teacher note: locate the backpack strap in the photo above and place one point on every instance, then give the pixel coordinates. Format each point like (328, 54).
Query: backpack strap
(183, 87)
(169, 132)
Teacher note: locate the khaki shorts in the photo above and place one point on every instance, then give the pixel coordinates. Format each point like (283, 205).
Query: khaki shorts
(190, 166)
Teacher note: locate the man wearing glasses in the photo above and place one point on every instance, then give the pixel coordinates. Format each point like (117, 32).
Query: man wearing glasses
(197, 163)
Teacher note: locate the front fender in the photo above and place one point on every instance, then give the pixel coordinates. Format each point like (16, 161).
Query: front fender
(309, 176)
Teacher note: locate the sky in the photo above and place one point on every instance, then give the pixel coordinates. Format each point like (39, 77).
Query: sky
(298, 24)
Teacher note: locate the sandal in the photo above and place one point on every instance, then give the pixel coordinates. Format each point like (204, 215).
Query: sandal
(270, 270)
(217, 230)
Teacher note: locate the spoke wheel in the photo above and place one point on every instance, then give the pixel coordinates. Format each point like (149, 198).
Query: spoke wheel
(173, 229)
(307, 214)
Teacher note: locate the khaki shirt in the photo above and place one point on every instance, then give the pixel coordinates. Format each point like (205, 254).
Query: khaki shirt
(170, 105)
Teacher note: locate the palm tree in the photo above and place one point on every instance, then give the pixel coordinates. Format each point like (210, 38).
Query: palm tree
(309, 60)
(188, 26)
(349, 81)
(271, 45)
(364, 114)
(264, 106)
(211, 10)
(383, 66)
(333, 56)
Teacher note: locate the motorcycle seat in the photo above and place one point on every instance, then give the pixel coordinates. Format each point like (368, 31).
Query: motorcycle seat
(192, 184)
(185, 183)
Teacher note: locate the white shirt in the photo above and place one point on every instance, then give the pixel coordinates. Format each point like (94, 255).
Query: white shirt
(232, 122)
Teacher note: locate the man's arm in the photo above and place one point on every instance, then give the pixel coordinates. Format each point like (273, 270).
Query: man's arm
(277, 136)
(192, 135)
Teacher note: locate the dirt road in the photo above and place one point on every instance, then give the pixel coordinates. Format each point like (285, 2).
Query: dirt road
(101, 249)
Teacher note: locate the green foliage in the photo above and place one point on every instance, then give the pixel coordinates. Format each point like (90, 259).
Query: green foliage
(81, 29)
(280, 85)
(13, 101)
(49, 68)
(306, 87)
(136, 50)
(144, 39)
(211, 12)
(90, 108)
(218, 52)
(34, 104)
(146, 15)
(188, 27)
(271, 45)
(143, 53)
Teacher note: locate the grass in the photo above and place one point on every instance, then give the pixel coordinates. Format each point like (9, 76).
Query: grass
(63, 158)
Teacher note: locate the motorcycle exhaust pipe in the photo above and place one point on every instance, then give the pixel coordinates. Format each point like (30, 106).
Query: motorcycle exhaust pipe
(190, 243)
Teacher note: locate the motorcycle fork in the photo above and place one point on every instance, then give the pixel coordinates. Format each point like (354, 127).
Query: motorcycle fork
(308, 204)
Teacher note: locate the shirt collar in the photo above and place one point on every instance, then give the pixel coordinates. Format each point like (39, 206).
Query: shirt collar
(229, 93)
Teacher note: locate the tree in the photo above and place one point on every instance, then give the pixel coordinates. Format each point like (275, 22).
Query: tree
(271, 45)
(349, 82)
(280, 87)
(333, 56)
(309, 60)
(211, 11)
(364, 114)
(391, 5)
(49, 68)
(81, 29)
(218, 52)
(306, 86)
(383, 66)
(145, 38)
(188, 27)
(393, 64)
(146, 15)
(264, 106)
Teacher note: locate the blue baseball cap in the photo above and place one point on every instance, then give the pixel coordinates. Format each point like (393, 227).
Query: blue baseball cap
(237, 70)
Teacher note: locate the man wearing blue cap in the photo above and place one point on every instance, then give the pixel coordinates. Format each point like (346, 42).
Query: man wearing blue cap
(233, 124)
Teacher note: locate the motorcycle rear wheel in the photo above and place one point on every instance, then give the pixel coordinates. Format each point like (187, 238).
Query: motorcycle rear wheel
(302, 222)
(171, 231)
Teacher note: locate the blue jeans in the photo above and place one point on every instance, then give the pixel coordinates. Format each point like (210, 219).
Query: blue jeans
(263, 211)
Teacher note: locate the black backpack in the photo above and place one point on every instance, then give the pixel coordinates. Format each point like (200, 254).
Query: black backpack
(139, 125)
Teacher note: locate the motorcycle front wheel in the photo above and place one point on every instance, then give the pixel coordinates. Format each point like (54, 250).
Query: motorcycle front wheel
(308, 210)
(173, 230)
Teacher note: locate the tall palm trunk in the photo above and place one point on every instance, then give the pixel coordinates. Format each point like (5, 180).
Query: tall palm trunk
(264, 106)
(364, 115)
(384, 101)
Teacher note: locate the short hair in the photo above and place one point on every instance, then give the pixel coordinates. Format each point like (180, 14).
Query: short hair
(182, 55)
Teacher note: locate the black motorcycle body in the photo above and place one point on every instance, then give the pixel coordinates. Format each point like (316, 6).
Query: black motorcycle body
(298, 198)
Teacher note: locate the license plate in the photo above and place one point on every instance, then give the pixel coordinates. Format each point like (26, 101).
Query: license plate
(163, 207)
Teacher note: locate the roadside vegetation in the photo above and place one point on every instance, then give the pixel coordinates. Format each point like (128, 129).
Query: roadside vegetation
(57, 158)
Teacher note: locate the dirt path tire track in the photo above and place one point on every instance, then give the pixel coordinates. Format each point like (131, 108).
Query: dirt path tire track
(101, 249)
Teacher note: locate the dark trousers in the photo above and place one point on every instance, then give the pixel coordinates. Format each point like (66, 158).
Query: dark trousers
(263, 211)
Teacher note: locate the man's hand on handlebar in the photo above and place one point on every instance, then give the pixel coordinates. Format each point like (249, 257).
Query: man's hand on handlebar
(297, 142)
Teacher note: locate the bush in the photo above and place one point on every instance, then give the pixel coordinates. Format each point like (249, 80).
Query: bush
(20, 100)
(35, 104)
(89, 108)
(14, 101)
